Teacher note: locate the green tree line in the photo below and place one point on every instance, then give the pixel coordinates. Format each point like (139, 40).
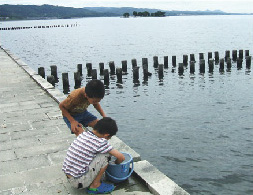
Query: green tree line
(146, 14)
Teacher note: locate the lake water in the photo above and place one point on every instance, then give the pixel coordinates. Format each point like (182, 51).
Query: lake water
(196, 128)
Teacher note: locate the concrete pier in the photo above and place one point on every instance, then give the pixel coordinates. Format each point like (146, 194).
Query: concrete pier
(34, 139)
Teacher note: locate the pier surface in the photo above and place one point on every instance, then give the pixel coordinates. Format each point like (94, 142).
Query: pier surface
(34, 139)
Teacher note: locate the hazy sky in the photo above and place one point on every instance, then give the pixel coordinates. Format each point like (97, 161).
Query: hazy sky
(236, 6)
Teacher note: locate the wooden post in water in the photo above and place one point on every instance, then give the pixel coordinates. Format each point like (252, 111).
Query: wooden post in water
(174, 61)
(124, 66)
(210, 56)
(166, 61)
(248, 62)
(241, 54)
(201, 56)
(94, 74)
(145, 72)
(246, 53)
(160, 71)
(202, 68)
(136, 74)
(192, 67)
(234, 55)
(155, 59)
(106, 77)
(181, 68)
(144, 61)
(221, 69)
(54, 72)
(211, 65)
(112, 67)
(119, 75)
(101, 68)
(239, 63)
(89, 68)
(51, 79)
(80, 69)
(134, 63)
(41, 72)
(77, 78)
(192, 58)
(216, 57)
(185, 60)
(229, 64)
(65, 81)
(227, 55)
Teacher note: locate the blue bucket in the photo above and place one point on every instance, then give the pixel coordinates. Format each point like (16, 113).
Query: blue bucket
(120, 172)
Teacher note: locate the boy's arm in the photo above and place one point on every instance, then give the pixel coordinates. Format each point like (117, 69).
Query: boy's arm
(75, 126)
(99, 109)
(120, 157)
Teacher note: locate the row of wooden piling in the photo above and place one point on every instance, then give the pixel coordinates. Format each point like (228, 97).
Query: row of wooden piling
(223, 63)
(29, 27)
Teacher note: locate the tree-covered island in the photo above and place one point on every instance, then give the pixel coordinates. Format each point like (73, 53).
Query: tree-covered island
(145, 14)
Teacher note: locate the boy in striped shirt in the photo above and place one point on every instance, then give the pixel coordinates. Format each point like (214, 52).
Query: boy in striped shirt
(87, 157)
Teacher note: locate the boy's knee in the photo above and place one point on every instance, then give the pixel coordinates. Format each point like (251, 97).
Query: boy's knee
(92, 123)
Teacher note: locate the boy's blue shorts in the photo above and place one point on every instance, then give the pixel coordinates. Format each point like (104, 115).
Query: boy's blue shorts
(84, 118)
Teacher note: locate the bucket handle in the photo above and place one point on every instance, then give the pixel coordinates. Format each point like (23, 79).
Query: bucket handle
(132, 169)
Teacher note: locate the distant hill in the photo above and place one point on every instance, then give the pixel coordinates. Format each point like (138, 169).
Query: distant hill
(120, 11)
(24, 12)
(46, 11)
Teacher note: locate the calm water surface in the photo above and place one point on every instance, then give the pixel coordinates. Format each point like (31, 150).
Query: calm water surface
(196, 128)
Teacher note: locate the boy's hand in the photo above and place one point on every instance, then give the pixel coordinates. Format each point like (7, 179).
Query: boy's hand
(76, 127)
(79, 131)
(120, 157)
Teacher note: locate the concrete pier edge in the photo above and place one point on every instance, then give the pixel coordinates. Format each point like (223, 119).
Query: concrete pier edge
(157, 182)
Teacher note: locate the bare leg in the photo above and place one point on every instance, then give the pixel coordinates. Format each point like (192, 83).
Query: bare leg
(97, 181)
(92, 123)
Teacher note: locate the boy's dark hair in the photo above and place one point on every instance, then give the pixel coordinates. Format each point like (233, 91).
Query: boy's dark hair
(106, 125)
(95, 89)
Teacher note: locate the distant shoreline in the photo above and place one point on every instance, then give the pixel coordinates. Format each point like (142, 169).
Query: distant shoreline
(49, 12)
(53, 18)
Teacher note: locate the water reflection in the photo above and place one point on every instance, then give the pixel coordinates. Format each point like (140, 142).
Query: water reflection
(66, 90)
(119, 85)
(247, 72)
(136, 84)
(145, 83)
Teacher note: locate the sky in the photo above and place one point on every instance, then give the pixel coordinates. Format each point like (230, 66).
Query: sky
(230, 6)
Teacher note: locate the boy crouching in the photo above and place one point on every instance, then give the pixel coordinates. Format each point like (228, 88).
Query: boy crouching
(87, 157)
